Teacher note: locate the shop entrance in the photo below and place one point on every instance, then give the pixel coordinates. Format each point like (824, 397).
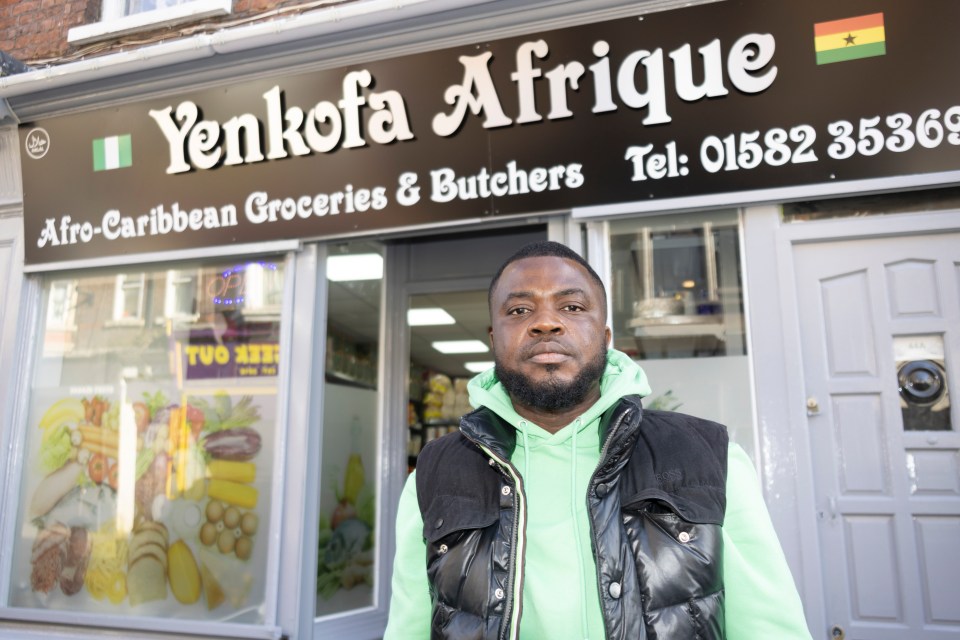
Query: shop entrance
(406, 326)
(880, 329)
(447, 324)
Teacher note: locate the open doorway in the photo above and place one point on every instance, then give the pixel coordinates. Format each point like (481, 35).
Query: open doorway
(448, 345)
(446, 321)
(382, 354)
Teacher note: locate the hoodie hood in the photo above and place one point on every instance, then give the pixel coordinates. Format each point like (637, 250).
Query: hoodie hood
(621, 377)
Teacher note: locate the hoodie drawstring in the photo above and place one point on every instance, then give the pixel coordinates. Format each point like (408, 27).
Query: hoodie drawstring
(574, 498)
(526, 453)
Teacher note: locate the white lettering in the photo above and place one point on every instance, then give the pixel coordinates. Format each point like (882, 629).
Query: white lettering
(251, 139)
(524, 77)
(447, 186)
(260, 208)
(350, 105)
(277, 133)
(752, 52)
(712, 86)
(203, 144)
(654, 98)
(476, 75)
(49, 234)
(187, 113)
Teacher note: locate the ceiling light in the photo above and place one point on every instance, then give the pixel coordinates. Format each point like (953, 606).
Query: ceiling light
(428, 317)
(359, 266)
(460, 346)
(477, 367)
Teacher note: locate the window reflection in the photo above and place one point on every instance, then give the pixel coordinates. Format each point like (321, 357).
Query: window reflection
(346, 568)
(148, 461)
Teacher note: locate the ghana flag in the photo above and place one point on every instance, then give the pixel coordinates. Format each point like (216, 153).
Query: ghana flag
(850, 39)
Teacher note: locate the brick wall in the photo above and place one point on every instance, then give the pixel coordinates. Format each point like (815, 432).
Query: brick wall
(35, 31)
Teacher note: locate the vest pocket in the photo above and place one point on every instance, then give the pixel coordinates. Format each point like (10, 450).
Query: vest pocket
(449, 514)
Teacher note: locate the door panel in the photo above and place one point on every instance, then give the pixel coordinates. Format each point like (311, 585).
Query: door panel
(887, 494)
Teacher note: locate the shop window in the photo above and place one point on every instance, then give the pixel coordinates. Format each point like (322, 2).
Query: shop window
(263, 291)
(148, 465)
(120, 17)
(347, 571)
(60, 316)
(677, 307)
(180, 296)
(61, 304)
(130, 7)
(128, 298)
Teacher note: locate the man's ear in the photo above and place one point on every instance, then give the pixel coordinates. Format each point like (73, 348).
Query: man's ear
(490, 336)
(607, 336)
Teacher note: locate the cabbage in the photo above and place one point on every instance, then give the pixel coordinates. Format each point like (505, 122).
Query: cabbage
(56, 448)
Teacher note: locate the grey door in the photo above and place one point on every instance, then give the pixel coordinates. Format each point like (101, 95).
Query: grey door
(880, 329)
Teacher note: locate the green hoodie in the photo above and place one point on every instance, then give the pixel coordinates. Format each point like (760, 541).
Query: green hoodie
(560, 595)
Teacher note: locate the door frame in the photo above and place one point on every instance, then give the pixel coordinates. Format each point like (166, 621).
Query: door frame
(774, 328)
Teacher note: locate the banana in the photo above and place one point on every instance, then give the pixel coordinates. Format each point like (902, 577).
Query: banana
(63, 411)
(353, 478)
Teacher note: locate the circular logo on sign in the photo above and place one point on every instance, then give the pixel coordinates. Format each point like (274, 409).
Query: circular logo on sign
(37, 143)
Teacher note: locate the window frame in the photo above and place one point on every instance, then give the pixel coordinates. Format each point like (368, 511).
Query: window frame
(125, 282)
(113, 23)
(64, 320)
(174, 279)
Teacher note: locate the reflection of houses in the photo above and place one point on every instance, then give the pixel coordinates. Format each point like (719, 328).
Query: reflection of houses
(109, 322)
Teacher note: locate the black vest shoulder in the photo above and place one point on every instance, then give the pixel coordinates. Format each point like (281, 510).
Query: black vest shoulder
(682, 461)
(456, 488)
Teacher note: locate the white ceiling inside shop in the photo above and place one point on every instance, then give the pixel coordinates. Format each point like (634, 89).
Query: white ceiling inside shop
(433, 263)
(355, 313)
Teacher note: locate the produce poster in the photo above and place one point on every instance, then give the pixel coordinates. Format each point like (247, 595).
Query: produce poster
(147, 501)
(345, 566)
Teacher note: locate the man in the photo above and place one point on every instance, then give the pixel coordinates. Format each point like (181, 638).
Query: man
(562, 509)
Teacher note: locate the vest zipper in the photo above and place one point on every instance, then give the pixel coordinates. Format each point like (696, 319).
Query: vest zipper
(511, 627)
(593, 536)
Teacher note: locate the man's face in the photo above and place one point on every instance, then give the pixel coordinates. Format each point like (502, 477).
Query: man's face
(549, 333)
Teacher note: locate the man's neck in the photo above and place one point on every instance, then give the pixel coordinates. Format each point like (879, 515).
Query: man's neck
(553, 421)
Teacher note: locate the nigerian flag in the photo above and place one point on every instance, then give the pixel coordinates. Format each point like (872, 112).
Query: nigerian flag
(115, 152)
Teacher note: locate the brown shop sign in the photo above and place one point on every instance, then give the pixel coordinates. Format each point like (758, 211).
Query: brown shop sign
(724, 97)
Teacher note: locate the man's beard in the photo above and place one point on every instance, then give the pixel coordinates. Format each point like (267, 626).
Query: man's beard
(553, 395)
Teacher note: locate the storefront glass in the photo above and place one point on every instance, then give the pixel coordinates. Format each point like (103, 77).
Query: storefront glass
(677, 301)
(346, 568)
(151, 428)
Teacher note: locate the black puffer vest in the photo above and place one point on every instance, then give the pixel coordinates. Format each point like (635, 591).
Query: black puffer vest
(656, 504)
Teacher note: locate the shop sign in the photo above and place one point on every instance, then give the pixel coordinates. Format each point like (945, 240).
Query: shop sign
(733, 97)
(230, 360)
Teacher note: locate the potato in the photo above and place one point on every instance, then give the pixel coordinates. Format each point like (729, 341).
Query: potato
(249, 523)
(244, 548)
(214, 511)
(208, 533)
(226, 541)
(231, 517)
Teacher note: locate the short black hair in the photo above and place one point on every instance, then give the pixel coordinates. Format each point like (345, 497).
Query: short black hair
(546, 249)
